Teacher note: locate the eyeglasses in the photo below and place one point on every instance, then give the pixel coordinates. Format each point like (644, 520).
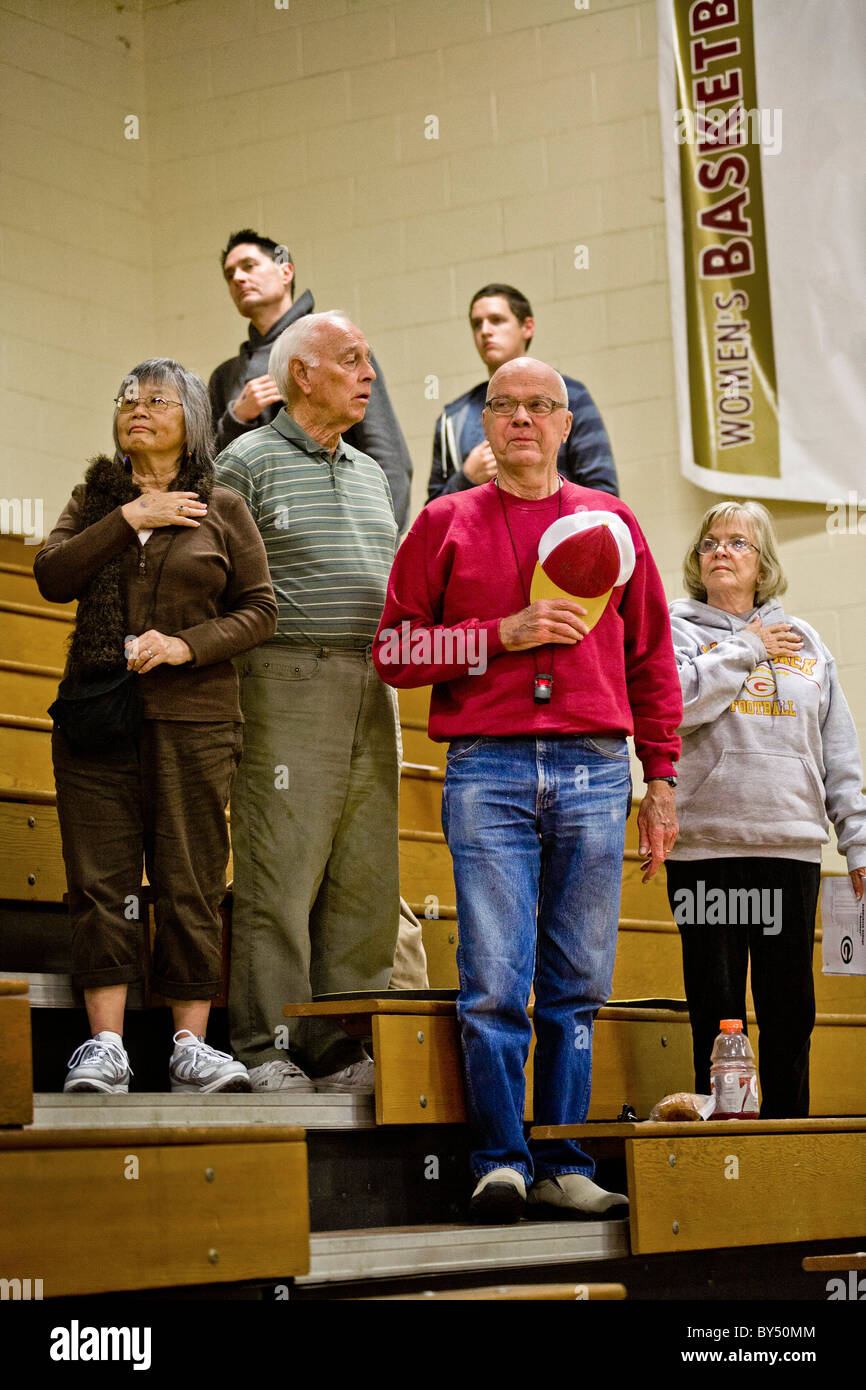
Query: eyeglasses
(536, 405)
(154, 405)
(737, 544)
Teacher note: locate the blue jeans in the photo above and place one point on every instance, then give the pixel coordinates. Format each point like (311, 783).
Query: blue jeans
(536, 829)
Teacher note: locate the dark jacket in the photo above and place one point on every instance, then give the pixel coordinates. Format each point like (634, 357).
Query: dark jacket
(208, 585)
(585, 457)
(378, 434)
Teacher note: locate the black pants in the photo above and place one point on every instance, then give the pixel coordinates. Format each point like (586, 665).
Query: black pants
(715, 960)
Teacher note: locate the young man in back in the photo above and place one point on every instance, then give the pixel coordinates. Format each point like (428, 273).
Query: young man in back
(260, 276)
(502, 324)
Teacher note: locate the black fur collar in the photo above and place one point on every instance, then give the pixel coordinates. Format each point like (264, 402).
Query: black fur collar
(96, 645)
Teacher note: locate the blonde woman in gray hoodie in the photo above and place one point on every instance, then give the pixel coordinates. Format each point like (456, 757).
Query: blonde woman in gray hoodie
(769, 756)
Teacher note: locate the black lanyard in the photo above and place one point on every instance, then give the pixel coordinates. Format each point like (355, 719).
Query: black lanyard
(542, 688)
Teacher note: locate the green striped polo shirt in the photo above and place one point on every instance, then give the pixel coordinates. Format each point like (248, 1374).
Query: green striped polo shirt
(328, 527)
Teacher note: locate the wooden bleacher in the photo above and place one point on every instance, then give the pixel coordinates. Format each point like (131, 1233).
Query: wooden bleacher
(16, 1071)
(96, 1210)
(700, 1186)
(640, 1053)
(511, 1293)
(203, 1205)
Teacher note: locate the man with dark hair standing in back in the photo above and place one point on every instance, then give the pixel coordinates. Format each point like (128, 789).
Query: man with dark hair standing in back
(502, 324)
(260, 276)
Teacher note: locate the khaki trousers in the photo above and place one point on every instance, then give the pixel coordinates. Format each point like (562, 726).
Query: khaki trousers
(410, 958)
(314, 837)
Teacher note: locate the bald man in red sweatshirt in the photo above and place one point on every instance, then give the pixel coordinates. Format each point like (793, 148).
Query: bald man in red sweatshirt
(535, 702)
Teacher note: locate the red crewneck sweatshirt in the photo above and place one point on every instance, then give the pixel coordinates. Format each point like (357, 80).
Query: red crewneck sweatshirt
(456, 575)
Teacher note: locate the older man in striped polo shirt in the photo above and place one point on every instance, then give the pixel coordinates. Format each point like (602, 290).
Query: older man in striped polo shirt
(314, 806)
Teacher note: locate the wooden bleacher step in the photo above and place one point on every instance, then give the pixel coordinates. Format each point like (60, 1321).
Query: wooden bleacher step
(417, 747)
(717, 1183)
(140, 1108)
(31, 855)
(819, 1263)
(401, 1252)
(845, 1281)
(639, 1056)
(35, 633)
(426, 873)
(56, 991)
(509, 1293)
(420, 796)
(88, 1211)
(25, 752)
(26, 688)
(18, 582)
(17, 550)
(16, 1060)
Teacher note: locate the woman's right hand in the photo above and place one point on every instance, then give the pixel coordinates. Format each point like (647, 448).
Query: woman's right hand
(164, 509)
(779, 639)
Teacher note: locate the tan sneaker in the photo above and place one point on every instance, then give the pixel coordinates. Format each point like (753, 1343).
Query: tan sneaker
(573, 1194)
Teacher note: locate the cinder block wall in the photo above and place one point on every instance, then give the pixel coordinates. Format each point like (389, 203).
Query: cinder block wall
(311, 123)
(75, 235)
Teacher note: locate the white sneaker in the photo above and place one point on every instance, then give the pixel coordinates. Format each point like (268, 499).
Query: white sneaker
(100, 1064)
(197, 1067)
(280, 1076)
(359, 1079)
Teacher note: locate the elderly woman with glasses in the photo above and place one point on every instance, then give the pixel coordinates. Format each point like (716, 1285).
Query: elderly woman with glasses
(172, 581)
(769, 754)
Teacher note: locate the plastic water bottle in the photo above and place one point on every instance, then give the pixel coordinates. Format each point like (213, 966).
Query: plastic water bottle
(733, 1078)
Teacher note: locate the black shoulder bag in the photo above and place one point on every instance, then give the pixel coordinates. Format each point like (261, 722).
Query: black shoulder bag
(95, 712)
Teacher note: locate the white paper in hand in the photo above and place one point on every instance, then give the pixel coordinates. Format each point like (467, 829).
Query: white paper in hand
(843, 921)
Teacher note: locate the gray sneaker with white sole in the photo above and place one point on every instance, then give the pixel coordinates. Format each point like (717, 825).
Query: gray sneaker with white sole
(100, 1064)
(197, 1068)
(358, 1079)
(280, 1075)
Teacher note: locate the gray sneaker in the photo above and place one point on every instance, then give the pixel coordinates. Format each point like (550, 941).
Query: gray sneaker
(100, 1064)
(359, 1079)
(280, 1075)
(195, 1067)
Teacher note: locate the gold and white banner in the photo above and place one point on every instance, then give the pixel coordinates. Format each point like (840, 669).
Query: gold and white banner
(762, 119)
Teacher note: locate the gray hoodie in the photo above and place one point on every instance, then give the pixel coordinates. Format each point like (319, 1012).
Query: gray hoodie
(769, 745)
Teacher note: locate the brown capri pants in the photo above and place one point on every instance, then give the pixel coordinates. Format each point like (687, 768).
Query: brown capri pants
(160, 801)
